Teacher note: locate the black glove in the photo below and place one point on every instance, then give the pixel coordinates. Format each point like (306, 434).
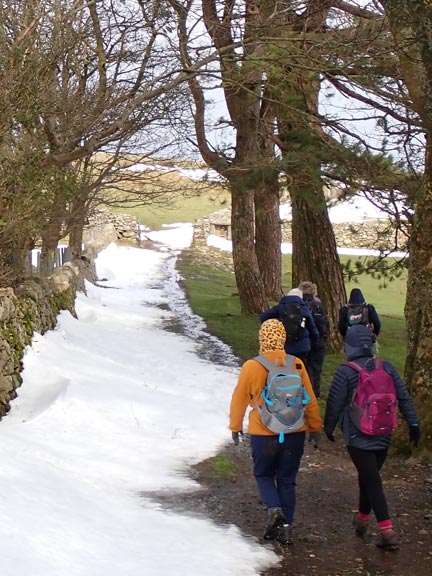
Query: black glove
(414, 435)
(315, 438)
(329, 436)
(236, 437)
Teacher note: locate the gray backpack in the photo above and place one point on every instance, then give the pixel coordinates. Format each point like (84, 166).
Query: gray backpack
(284, 395)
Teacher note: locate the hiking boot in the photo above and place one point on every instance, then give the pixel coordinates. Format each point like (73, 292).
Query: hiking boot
(275, 519)
(284, 535)
(360, 526)
(387, 540)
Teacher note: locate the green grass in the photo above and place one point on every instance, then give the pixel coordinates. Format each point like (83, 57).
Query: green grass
(213, 295)
(222, 467)
(389, 301)
(181, 210)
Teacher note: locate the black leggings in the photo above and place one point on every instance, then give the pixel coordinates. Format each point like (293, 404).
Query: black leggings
(372, 497)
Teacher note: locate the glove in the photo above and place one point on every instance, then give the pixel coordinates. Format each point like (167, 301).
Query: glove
(414, 435)
(236, 437)
(315, 438)
(329, 436)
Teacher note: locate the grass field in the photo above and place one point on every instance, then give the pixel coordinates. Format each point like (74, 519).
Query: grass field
(213, 295)
(185, 207)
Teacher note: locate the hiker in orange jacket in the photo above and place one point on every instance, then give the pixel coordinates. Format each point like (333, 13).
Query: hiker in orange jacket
(276, 463)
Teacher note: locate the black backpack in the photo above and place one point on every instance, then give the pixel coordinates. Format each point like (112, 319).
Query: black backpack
(358, 314)
(320, 317)
(293, 320)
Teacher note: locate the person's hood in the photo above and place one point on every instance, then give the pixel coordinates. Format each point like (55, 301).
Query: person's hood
(356, 297)
(295, 292)
(271, 336)
(358, 342)
(290, 298)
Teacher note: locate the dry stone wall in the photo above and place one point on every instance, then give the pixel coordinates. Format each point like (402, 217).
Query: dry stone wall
(371, 234)
(104, 227)
(34, 305)
(31, 308)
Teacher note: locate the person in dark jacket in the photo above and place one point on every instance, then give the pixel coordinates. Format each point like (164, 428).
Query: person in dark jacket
(318, 347)
(301, 347)
(368, 453)
(372, 320)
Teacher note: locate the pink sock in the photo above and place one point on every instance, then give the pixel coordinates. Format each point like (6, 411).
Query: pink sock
(363, 517)
(385, 525)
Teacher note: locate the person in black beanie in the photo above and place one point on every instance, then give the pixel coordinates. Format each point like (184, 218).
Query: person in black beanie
(357, 311)
(367, 452)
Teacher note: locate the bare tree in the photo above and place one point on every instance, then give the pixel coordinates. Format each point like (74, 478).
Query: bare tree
(77, 78)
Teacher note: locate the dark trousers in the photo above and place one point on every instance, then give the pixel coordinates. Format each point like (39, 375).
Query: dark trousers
(304, 357)
(314, 367)
(372, 497)
(275, 469)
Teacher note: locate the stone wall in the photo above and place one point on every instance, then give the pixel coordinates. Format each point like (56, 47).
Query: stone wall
(368, 234)
(33, 307)
(104, 227)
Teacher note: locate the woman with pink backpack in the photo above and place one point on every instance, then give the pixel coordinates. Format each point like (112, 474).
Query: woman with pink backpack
(367, 425)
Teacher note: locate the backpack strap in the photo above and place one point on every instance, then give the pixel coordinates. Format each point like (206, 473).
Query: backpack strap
(269, 365)
(354, 365)
(359, 367)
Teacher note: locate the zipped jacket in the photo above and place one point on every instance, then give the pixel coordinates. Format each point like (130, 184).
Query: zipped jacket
(310, 333)
(341, 393)
(250, 384)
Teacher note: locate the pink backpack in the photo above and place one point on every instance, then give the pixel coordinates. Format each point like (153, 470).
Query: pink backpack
(374, 405)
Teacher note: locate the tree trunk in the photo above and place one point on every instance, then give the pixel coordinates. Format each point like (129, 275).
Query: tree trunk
(15, 260)
(268, 235)
(418, 305)
(411, 25)
(76, 226)
(249, 284)
(50, 239)
(315, 256)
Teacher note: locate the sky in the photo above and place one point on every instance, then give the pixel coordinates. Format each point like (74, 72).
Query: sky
(115, 405)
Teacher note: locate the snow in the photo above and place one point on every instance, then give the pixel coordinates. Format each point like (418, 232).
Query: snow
(113, 409)
(195, 174)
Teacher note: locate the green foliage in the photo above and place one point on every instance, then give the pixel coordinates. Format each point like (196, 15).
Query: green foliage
(222, 467)
(212, 294)
(63, 301)
(380, 268)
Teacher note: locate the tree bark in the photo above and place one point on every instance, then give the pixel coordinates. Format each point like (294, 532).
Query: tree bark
(315, 256)
(76, 223)
(51, 235)
(411, 25)
(418, 306)
(268, 235)
(249, 284)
